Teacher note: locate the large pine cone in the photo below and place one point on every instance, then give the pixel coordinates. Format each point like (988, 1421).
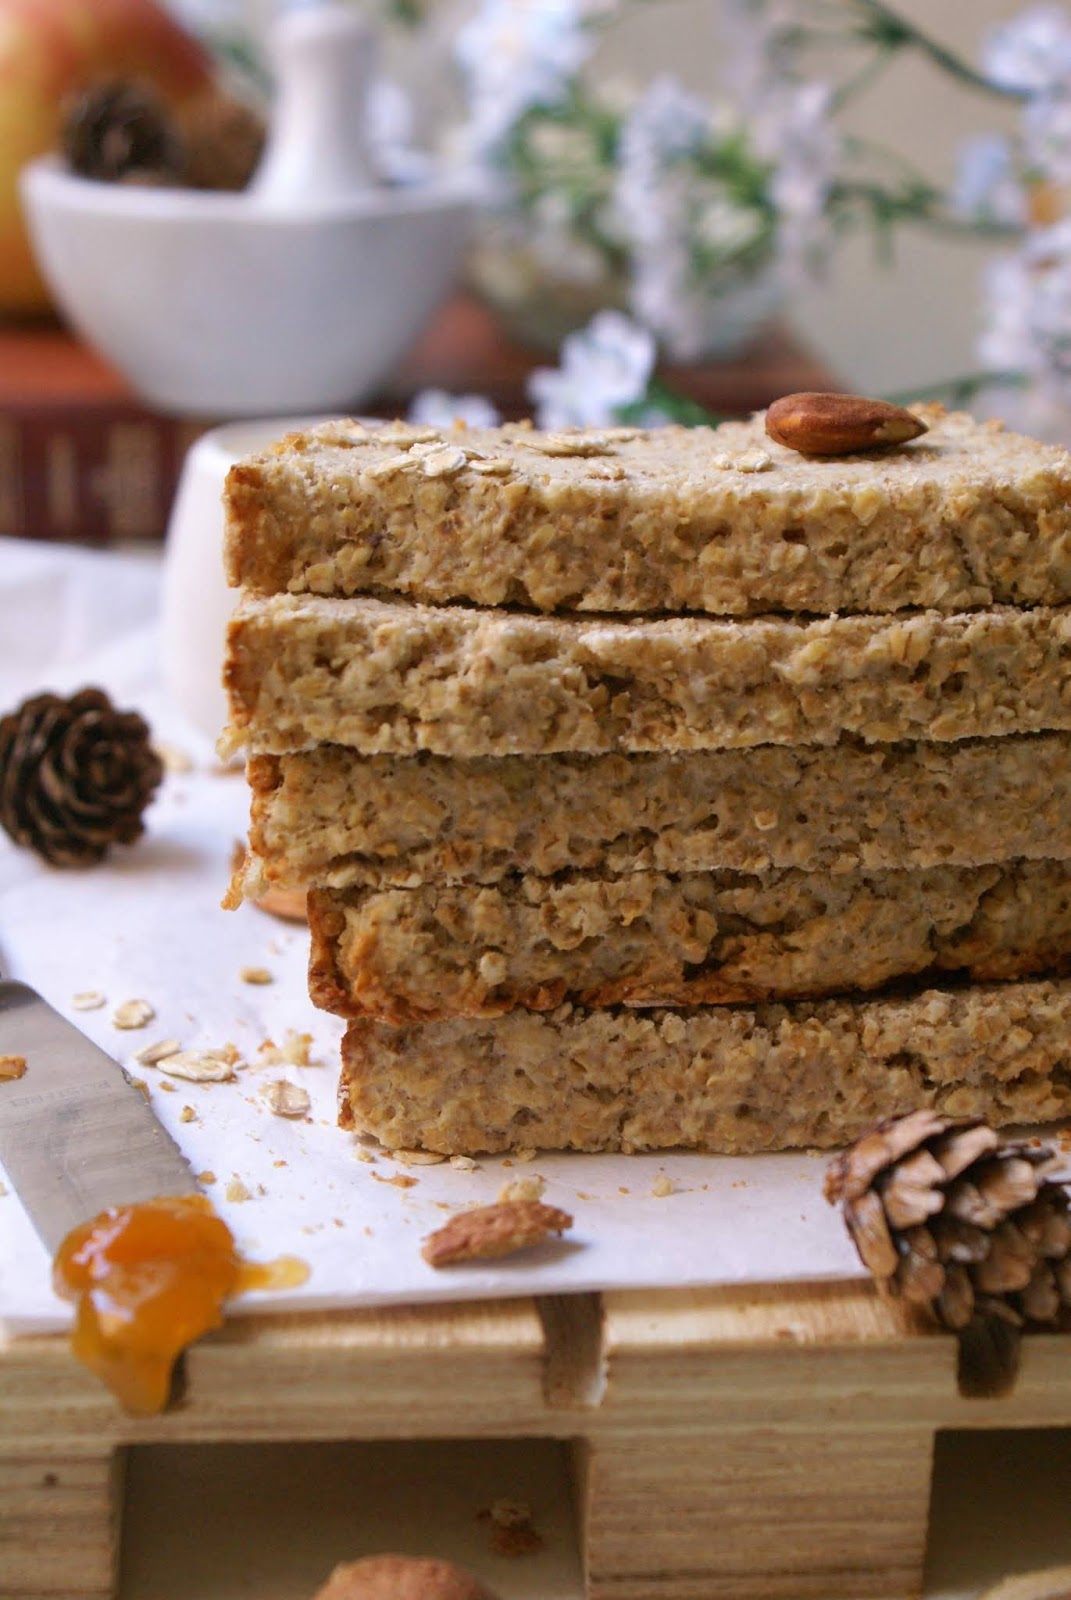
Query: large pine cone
(75, 776)
(952, 1217)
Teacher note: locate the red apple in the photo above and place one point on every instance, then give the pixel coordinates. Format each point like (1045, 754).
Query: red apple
(49, 49)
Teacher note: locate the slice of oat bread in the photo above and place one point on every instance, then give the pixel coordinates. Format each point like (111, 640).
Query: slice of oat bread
(717, 520)
(395, 679)
(729, 1079)
(652, 939)
(334, 817)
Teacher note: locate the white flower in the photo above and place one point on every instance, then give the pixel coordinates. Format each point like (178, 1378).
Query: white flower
(759, 35)
(1032, 53)
(1047, 135)
(987, 184)
(516, 54)
(435, 408)
(655, 197)
(795, 130)
(1027, 305)
(604, 366)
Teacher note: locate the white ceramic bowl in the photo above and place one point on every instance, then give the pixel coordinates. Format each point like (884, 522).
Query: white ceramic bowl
(196, 599)
(214, 305)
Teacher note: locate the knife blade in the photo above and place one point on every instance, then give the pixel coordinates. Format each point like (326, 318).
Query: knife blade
(76, 1134)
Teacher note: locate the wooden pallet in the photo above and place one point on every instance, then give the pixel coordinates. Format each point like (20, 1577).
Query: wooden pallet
(725, 1445)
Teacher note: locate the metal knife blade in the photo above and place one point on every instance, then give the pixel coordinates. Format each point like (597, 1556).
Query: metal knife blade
(76, 1135)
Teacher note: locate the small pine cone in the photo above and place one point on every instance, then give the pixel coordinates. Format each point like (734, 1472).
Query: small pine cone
(122, 132)
(949, 1216)
(75, 776)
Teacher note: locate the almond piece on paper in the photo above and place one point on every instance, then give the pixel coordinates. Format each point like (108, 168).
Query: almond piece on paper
(496, 1230)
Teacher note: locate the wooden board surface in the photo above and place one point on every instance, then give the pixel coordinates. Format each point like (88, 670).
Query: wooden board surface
(681, 1414)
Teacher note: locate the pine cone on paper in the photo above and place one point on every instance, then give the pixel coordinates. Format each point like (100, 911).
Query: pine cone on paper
(952, 1217)
(75, 776)
(122, 132)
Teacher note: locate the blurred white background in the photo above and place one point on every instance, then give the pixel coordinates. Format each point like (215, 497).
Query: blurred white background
(880, 328)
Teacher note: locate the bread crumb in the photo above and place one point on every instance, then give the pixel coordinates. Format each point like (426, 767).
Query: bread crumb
(661, 1187)
(400, 1180)
(512, 1532)
(133, 1014)
(364, 1155)
(168, 1088)
(259, 975)
(206, 1177)
(236, 1190)
(187, 1114)
(294, 1052)
(523, 1189)
(12, 1067)
(464, 1164)
(88, 1000)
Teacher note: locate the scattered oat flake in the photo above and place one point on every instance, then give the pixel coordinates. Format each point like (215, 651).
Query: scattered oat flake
(12, 1067)
(287, 1099)
(463, 1163)
(523, 1189)
(88, 1000)
(133, 1014)
(150, 1055)
(256, 975)
(236, 1190)
(199, 1066)
(661, 1186)
(496, 1230)
(417, 1158)
(400, 1180)
(187, 1114)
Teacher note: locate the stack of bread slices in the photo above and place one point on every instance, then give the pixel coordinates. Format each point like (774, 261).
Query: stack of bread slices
(665, 788)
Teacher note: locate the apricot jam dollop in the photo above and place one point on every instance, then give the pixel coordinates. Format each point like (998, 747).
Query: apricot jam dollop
(146, 1281)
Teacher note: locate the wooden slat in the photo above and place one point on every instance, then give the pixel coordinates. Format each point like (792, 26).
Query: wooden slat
(58, 1525)
(757, 1514)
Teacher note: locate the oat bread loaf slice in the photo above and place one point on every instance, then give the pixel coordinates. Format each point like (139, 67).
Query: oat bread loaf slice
(334, 817)
(722, 1078)
(397, 679)
(671, 519)
(652, 939)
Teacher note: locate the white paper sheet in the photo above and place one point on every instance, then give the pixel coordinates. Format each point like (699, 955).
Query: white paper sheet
(146, 925)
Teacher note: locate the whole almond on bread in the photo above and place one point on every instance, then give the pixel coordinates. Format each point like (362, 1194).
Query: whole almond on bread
(839, 424)
(496, 1230)
(402, 1578)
